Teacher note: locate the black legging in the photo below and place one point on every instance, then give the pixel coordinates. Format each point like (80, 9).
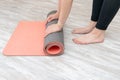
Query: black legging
(104, 11)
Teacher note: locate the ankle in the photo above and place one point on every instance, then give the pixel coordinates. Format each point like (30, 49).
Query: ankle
(98, 32)
(92, 23)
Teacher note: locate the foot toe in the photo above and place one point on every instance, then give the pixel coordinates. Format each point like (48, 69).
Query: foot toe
(74, 31)
(76, 41)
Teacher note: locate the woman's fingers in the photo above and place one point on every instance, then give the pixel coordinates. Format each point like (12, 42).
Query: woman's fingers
(52, 28)
(52, 17)
(48, 30)
(49, 18)
(46, 33)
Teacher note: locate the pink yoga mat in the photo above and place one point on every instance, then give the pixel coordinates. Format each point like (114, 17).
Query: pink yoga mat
(28, 40)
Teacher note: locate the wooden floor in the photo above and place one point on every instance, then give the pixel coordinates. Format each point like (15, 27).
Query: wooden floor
(79, 62)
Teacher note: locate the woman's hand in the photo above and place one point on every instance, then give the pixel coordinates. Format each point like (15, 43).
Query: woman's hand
(53, 16)
(53, 28)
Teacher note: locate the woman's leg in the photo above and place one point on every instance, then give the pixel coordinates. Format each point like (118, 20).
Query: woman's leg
(96, 8)
(107, 13)
(97, 5)
(63, 15)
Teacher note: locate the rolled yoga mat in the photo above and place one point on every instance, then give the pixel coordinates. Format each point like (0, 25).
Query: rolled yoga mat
(28, 40)
(54, 42)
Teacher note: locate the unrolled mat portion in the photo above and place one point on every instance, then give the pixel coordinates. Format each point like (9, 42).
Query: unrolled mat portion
(28, 40)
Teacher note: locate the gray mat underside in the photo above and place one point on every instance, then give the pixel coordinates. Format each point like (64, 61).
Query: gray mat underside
(56, 36)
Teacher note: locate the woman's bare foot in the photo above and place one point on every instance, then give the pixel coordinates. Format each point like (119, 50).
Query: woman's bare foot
(85, 30)
(53, 16)
(95, 36)
(53, 28)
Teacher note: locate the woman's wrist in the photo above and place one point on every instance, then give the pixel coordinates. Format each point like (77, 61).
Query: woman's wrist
(58, 12)
(60, 24)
